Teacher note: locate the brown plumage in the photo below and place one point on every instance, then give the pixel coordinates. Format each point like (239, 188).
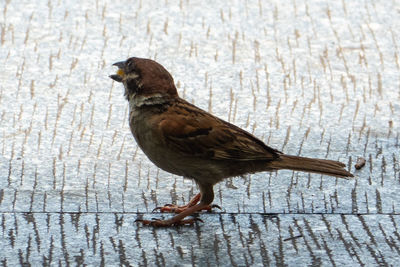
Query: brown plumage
(185, 140)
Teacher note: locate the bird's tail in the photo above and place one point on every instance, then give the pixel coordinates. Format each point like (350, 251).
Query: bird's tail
(322, 166)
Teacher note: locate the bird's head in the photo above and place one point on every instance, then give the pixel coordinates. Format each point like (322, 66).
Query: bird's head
(145, 78)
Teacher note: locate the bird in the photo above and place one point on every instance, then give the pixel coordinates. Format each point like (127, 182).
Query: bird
(182, 139)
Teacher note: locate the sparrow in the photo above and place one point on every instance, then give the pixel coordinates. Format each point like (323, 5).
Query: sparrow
(185, 140)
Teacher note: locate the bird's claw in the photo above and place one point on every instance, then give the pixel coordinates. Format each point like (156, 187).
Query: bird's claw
(171, 208)
(215, 206)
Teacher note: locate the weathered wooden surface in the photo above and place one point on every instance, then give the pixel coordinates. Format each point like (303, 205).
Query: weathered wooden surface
(320, 79)
(234, 239)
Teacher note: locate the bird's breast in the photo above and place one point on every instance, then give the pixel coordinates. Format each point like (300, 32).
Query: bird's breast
(145, 131)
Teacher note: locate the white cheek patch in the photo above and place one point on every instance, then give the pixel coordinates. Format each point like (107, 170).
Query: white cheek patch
(132, 75)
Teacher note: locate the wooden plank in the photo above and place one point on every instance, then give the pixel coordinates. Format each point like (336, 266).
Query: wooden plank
(112, 239)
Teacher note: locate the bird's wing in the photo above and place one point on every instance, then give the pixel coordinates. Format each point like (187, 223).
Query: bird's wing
(194, 132)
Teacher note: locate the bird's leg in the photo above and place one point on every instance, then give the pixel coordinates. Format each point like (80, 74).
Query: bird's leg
(205, 197)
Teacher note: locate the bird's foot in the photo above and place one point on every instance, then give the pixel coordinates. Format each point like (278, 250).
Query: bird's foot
(171, 208)
(179, 219)
(167, 223)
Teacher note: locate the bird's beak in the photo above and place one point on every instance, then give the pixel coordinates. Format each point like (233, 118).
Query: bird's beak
(120, 72)
(120, 64)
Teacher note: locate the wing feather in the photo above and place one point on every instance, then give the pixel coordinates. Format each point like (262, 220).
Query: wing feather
(194, 132)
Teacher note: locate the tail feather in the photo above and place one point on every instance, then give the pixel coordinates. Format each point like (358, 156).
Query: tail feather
(322, 166)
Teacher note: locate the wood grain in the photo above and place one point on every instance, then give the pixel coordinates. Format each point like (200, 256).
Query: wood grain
(311, 78)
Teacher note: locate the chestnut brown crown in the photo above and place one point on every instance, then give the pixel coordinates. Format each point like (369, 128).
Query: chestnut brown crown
(144, 77)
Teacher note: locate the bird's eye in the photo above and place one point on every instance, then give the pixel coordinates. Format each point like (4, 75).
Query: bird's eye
(130, 65)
